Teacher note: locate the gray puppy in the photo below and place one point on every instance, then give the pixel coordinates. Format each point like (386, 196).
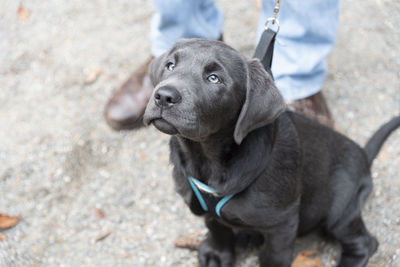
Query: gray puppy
(252, 167)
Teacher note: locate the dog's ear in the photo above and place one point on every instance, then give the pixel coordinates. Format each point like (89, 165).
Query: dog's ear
(156, 69)
(263, 102)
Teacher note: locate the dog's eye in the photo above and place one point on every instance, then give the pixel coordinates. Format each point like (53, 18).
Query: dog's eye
(213, 78)
(170, 66)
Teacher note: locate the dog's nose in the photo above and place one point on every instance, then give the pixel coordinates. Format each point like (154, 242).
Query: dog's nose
(167, 96)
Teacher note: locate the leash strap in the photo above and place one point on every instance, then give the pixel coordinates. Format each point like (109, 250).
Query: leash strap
(265, 48)
(208, 196)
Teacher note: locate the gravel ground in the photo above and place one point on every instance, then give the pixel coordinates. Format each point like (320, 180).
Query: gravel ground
(60, 165)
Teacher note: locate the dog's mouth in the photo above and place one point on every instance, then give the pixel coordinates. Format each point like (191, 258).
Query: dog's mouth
(164, 126)
(155, 116)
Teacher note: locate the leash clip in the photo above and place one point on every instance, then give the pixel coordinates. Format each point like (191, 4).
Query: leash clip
(277, 7)
(274, 20)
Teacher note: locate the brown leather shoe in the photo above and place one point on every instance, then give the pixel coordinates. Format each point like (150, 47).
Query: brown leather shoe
(125, 109)
(314, 107)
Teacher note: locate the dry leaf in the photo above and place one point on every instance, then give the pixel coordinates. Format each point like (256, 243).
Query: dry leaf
(187, 242)
(23, 14)
(307, 259)
(143, 157)
(8, 221)
(99, 213)
(92, 74)
(3, 237)
(125, 255)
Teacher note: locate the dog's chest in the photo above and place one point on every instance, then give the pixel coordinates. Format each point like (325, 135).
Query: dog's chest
(250, 205)
(202, 198)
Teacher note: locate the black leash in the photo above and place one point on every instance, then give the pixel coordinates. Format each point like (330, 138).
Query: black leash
(265, 48)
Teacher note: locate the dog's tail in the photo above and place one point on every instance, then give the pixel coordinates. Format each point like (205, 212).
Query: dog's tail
(375, 143)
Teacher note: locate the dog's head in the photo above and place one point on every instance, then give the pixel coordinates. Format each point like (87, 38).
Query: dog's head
(202, 87)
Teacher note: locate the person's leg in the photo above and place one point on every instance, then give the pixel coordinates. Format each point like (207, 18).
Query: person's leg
(174, 19)
(307, 35)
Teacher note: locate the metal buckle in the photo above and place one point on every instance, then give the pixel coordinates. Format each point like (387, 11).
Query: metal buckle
(272, 21)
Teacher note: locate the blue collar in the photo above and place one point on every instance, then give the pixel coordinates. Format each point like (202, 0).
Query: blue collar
(211, 196)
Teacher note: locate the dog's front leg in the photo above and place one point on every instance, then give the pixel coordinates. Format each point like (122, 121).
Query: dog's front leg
(217, 250)
(278, 247)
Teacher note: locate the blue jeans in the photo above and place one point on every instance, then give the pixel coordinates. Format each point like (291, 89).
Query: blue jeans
(307, 35)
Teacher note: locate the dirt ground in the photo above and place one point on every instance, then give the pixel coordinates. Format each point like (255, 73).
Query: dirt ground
(89, 196)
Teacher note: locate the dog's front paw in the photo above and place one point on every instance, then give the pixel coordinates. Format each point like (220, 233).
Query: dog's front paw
(212, 255)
